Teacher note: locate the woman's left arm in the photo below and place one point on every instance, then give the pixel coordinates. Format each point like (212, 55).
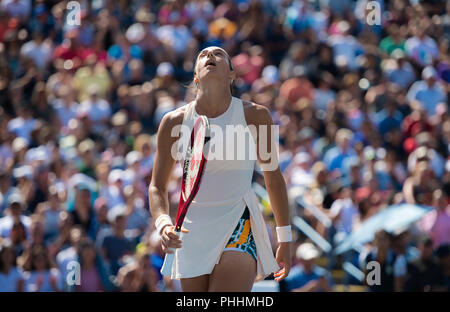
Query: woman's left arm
(275, 184)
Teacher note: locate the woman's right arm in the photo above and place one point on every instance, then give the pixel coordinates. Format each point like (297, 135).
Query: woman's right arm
(408, 191)
(162, 166)
(162, 169)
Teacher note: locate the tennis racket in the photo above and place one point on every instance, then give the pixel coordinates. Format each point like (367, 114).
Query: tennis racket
(193, 166)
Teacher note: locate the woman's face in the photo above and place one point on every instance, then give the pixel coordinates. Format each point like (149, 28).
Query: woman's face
(7, 257)
(17, 234)
(325, 54)
(102, 213)
(39, 262)
(88, 254)
(37, 231)
(83, 197)
(213, 62)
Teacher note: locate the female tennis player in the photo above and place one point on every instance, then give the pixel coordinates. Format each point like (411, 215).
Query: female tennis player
(223, 244)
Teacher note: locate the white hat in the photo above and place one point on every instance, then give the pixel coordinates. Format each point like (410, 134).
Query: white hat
(302, 158)
(133, 157)
(398, 54)
(128, 177)
(164, 69)
(115, 175)
(37, 154)
(116, 211)
(25, 171)
(307, 251)
(270, 74)
(18, 144)
(135, 33)
(15, 198)
(343, 26)
(429, 72)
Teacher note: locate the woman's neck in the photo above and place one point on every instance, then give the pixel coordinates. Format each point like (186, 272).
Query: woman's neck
(212, 102)
(88, 265)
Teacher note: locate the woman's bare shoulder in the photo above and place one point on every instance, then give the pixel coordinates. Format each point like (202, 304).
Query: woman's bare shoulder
(256, 114)
(172, 119)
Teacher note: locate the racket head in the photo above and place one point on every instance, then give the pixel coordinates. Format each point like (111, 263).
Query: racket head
(194, 157)
(193, 166)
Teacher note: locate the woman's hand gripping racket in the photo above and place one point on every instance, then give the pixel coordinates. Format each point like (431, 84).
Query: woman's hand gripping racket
(193, 166)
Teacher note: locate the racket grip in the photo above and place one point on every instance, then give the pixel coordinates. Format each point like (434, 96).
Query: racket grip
(166, 269)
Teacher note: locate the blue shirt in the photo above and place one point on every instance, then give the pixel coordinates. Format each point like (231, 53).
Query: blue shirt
(334, 157)
(386, 123)
(31, 280)
(428, 97)
(9, 281)
(298, 277)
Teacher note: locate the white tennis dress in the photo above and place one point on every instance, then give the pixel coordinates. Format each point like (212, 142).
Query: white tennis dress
(224, 193)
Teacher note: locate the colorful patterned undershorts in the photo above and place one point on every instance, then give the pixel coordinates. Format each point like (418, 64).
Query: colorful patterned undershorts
(242, 238)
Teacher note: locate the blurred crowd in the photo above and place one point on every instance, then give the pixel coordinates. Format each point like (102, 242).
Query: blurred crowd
(362, 109)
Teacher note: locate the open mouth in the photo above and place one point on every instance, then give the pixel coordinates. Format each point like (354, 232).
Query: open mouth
(210, 63)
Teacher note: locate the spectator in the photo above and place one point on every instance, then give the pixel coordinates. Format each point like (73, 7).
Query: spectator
(306, 276)
(39, 50)
(343, 212)
(68, 253)
(20, 9)
(393, 41)
(443, 253)
(116, 245)
(11, 277)
(14, 214)
(95, 107)
(335, 157)
(417, 188)
(429, 91)
(40, 274)
(101, 213)
(393, 267)
(421, 47)
(50, 212)
(83, 213)
(423, 273)
(403, 72)
(299, 174)
(6, 190)
(137, 215)
(346, 48)
(18, 238)
(436, 223)
(93, 271)
(138, 276)
(65, 106)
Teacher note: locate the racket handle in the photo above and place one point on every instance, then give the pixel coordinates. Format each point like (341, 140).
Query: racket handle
(166, 269)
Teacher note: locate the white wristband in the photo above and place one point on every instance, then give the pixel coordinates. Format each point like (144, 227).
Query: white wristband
(162, 221)
(284, 234)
